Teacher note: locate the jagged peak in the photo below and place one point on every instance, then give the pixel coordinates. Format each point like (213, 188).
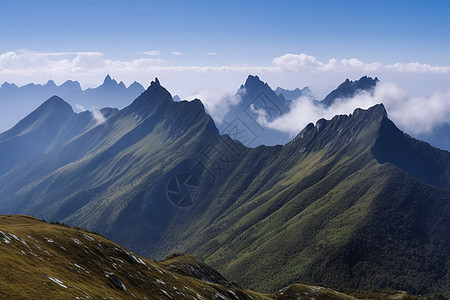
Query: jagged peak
(340, 124)
(155, 94)
(108, 81)
(155, 85)
(364, 79)
(8, 85)
(50, 83)
(349, 88)
(253, 80)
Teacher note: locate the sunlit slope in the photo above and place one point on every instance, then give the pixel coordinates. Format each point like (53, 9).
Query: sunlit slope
(44, 261)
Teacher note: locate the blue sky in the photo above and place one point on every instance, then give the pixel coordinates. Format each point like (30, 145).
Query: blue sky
(224, 34)
(250, 32)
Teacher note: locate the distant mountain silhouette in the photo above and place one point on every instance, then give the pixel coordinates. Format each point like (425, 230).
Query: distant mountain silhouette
(293, 94)
(20, 101)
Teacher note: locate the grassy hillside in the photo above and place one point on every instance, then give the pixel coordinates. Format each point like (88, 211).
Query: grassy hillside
(44, 261)
(50, 261)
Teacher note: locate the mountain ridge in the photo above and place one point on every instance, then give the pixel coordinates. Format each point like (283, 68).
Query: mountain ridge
(299, 210)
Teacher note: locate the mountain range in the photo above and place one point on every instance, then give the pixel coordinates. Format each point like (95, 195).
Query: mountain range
(258, 104)
(19, 101)
(351, 202)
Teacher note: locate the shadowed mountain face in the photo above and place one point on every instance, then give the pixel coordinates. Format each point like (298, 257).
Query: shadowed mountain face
(350, 202)
(19, 101)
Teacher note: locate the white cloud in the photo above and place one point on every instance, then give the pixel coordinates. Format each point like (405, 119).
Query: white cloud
(417, 68)
(289, 70)
(414, 115)
(98, 116)
(69, 65)
(79, 108)
(211, 53)
(152, 52)
(75, 65)
(307, 63)
(297, 62)
(216, 103)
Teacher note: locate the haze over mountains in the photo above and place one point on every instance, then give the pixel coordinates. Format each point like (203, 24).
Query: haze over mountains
(349, 202)
(260, 115)
(19, 101)
(273, 117)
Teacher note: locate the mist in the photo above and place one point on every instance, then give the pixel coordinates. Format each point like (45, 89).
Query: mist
(414, 115)
(98, 116)
(217, 104)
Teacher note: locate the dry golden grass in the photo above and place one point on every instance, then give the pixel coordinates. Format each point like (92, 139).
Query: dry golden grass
(39, 260)
(44, 261)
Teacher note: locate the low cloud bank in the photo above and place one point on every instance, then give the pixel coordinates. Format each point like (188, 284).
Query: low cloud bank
(414, 115)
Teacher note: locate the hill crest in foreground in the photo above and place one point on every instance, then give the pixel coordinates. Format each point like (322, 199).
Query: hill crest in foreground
(41, 260)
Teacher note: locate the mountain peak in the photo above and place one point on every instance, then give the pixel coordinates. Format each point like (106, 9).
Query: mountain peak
(7, 85)
(253, 82)
(109, 81)
(377, 109)
(152, 97)
(51, 83)
(349, 89)
(70, 84)
(255, 78)
(56, 103)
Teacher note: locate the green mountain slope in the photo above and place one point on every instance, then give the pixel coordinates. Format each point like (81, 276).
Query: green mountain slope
(350, 202)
